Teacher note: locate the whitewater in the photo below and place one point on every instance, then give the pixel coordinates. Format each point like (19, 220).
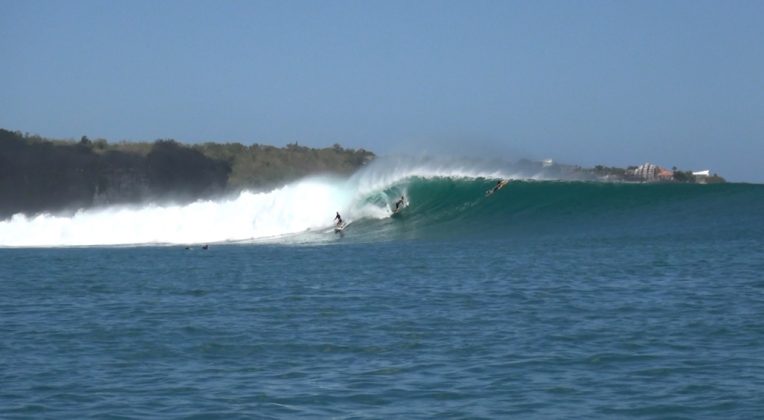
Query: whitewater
(307, 205)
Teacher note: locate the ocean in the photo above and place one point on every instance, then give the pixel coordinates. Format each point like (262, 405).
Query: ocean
(548, 299)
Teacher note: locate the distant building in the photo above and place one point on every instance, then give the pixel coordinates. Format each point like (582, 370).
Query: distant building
(646, 172)
(547, 163)
(701, 177)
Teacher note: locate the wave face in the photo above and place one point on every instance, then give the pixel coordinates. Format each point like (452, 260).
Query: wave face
(526, 209)
(445, 199)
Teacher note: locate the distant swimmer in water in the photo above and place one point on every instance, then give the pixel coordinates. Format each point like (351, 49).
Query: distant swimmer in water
(338, 218)
(399, 203)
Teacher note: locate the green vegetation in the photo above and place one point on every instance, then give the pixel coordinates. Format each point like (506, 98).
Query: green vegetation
(683, 176)
(259, 166)
(38, 175)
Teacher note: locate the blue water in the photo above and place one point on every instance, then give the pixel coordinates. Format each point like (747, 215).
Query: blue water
(624, 313)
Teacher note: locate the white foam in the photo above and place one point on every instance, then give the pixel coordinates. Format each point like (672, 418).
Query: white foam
(305, 205)
(297, 207)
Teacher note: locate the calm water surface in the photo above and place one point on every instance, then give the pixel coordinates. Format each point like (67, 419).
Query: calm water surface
(552, 327)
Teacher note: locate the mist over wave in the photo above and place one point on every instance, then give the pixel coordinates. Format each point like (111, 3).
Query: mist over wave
(306, 205)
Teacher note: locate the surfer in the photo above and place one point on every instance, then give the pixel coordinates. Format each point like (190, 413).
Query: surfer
(499, 185)
(399, 203)
(338, 218)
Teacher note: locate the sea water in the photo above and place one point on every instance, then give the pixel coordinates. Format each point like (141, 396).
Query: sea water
(548, 299)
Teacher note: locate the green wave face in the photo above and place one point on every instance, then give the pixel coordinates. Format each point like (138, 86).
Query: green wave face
(457, 207)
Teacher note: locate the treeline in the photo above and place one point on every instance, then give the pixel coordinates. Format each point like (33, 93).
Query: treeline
(41, 175)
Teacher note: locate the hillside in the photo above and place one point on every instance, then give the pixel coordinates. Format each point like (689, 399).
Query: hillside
(45, 175)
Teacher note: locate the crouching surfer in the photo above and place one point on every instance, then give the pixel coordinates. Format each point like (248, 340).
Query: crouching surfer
(399, 204)
(340, 224)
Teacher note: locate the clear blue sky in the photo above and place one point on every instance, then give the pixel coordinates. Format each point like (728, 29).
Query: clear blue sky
(585, 82)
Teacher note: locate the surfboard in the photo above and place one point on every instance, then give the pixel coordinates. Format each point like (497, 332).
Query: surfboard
(340, 228)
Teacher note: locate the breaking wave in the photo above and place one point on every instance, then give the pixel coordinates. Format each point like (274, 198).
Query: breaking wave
(445, 199)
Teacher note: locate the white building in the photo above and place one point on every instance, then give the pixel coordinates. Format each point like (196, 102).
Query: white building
(647, 172)
(701, 177)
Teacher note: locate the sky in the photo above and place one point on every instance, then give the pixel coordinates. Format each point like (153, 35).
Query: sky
(617, 83)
